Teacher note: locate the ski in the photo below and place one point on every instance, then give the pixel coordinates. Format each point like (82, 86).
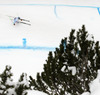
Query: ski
(24, 23)
(25, 20)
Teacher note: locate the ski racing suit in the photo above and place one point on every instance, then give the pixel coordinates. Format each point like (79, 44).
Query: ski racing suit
(16, 20)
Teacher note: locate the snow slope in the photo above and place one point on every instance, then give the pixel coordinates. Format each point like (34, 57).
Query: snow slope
(51, 20)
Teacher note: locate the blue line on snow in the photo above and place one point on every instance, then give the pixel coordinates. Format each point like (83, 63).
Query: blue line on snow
(98, 10)
(27, 47)
(55, 12)
(52, 5)
(49, 5)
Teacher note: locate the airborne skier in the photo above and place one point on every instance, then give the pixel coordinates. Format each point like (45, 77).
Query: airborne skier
(20, 20)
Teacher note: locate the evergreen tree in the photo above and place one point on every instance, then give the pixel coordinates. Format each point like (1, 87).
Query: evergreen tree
(22, 85)
(6, 80)
(71, 67)
(8, 87)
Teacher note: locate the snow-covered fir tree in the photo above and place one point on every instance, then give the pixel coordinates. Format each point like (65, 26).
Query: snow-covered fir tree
(71, 67)
(8, 87)
(6, 81)
(22, 85)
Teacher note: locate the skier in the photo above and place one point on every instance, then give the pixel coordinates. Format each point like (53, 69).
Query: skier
(16, 20)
